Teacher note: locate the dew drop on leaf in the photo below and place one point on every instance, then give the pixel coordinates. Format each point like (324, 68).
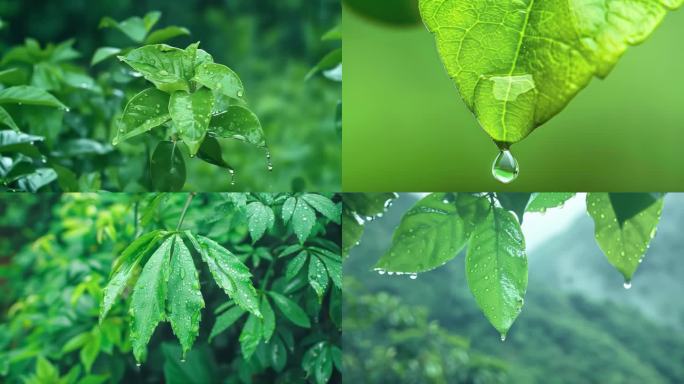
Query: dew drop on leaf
(413, 276)
(505, 167)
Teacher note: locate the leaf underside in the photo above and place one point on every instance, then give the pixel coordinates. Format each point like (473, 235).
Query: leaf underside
(518, 63)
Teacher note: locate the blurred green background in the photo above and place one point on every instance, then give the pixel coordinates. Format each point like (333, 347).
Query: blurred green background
(271, 44)
(407, 129)
(578, 325)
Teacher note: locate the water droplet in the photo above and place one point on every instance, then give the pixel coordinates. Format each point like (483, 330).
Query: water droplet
(239, 93)
(67, 110)
(413, 276)
(182, 360)
(43, 159)
(269, 165)
(503, 337)
(138, 365)
(505, 167)
(232, 176)
(627, 284)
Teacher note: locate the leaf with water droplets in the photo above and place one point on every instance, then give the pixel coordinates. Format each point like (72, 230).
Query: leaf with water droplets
(541, 201)
(231, 274)
(167, 167)
(191, 113)
(333, 264)
(323, 205)
(303, 220)
(145, 111)
(624, 245)
(269, 320)
(288, 208)
(238, 123)
(250, 336)
(295, 265)
(433, 232)
(225, 320)
(496, 268)
(168, 68)
(291, 310)
(7, 120)
(184, 296)
(519, 63)
(220, 79)
(148, 301)
(515, 202)
(124, 266)
(318, 277)
(29, 95)
(317, 362)
(356, 207)
(259, 218)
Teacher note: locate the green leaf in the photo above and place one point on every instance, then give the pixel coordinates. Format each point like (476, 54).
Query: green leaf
(433, 232)
(12, 141)
(259, 218)
(268, 319)
(136, 28)
(198, 367)
(191, 113)
(7, 120)
(278, 354)
(519, 63)
(318, 277)
(229, 272)
(317, 362)
(515, 202)
(104, 53)
(540, 202)
(146, 110)
(148, 301)
(219, 78)
(91, 350)
(38, 179)
(238, 123)
(123, 268)
(164, 34)
(496, 268)
(357, 208)
(295, 265)
(184, 296)
(168, 68)
(225, 320)
(334, 267)
(167, 167)
(323, 205)
(624, 245)
(250, 336)
(328, 61)
(628, 205)
(76, 342)
(29, 95)
(291, 310)
(211, 152)
(288, 208)
(303, 220)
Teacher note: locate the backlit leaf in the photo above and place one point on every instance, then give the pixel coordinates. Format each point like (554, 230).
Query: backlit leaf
(104, 53)
(164, 34)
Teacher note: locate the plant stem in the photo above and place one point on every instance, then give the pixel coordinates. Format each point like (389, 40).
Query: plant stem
(185, 209)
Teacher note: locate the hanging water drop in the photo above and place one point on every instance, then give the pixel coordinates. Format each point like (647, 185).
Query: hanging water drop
(505, 167)
(413, 276)
(381, 271)
(138, 365)
(627, 284)
(503, 337)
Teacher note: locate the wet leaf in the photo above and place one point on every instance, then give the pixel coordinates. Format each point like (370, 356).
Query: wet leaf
(356, 209)
(519, 63)
(164, 34)
(168, 68)
(303, 220)
(291, 310)
(295, 265)
(269, 320)
(260, 218)
(29, 95)
(104, 53)
(211, 152)
(250, 336)
(541, 201)
(167, 167)
(225, 320)
(238, 123)
(38, 179)
(191, 113)
(219, 78)
(624, 245)
(515, 202)
(7, 120)
(496, 268)
(323, 205)
(318, 277)
(146, 110)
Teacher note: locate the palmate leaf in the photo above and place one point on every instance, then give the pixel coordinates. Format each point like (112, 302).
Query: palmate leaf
(146, 110)
(433, 232)
(191, 113)
(518, 63)
(624, 244)
(496, 268)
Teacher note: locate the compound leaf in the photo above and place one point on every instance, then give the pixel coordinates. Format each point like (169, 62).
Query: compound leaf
(496, 268)
(519, 63)
(323, 205)
(318, 277)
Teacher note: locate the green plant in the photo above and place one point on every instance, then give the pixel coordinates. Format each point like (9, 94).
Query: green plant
(440, 225)
(520, 63)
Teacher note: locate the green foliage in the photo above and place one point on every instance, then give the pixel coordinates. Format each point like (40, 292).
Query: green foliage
(92, 316)
(439, 226)
(357, 209)
(538, 55)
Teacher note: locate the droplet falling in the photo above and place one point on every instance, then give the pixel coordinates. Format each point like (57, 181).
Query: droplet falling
(627, 284)
(182, 360)
(503, 337)
(232, 176)
(269, 165)
(138, 365)
(505, 167)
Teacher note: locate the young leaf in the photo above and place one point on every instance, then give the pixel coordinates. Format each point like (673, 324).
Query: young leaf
(318, 277)
(496, 268)
(303, 220)
(260, 218)
(191, 113)
(238, 123)
(168, 68)
(225, 320)
(7, 120)
(624, 245)
(291, 310)
(228, 271)
(164, 34)
(538, 54)
(250, 336)
(29, 95)
(133, 27)
(295, 265)
(433, 232)
(317, 362)
(167, 167)
(541, 201)
(268, 319)
(148, 301)
(184, 296)
(124, 266)
(210, 151)
(219, 78)
(323, 205)
(91, 349)
(104, 53)
(146, 110)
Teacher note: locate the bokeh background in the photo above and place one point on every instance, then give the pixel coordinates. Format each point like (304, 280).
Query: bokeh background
(271, 44)
(578, 325)
(407, 129)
